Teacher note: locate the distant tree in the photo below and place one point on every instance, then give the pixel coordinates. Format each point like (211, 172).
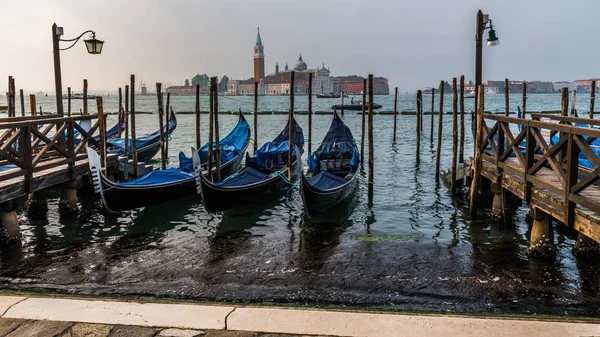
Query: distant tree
(202, 80)
(187, 82)
(223, 84)
(471, 83)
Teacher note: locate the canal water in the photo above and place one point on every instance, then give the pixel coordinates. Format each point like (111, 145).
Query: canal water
(423, 251)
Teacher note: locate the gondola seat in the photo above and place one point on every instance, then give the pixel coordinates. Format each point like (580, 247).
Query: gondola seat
(158, 177)
(247, 176)
(325, 180)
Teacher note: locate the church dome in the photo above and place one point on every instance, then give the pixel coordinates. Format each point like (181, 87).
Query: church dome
(300, 65)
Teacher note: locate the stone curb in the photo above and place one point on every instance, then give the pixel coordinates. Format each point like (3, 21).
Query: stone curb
(281, 320)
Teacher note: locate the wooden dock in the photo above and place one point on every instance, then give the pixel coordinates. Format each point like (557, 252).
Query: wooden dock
(539, 162)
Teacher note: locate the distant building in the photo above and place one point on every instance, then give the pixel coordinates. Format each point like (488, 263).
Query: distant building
(259, 58)
(564, 84)
(189, 90)
(586, 85)
(353, 85)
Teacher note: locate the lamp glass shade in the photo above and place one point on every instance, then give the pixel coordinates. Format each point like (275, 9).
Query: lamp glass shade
(94, 46)
(492, 38)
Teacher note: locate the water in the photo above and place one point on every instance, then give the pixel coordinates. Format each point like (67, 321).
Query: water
(424, 252)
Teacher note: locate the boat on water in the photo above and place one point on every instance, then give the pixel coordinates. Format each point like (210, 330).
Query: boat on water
(263, 176)
(147, 146)
(470, 94)
(78, 96)
(356, 106)
(331, 95)
(163, 185)
(332, 170)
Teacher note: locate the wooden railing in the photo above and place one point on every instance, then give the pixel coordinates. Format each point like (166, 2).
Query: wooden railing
(547, 156)
(37, 143)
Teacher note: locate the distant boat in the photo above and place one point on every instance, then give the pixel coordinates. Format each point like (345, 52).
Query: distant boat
(253, 95)
(356, 106)
(331, 95)
(471, 94)
(78, 96)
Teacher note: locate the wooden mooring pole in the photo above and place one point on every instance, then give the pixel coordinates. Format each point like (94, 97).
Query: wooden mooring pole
(211, 122)
(159, 97)
(461, 148)
(126, 144)
(22, 102)
(524, 99)
(134, 153)
(310, 81)
(102, 129)
(69, 101)
(454, 137)
(256, 118)
(371, 146)
(32, 105)
(477, 157)
(565, 102)
(9, 98)
(419, 108)
(506, 92)
(432, 108)
(213, 84)
(167, 118)
(439, 135)
(573, 103)
(85, 102)
(396, 112)
(121, 113)
(592, 98)
(198, 142)
(362, 135)
(291, 124)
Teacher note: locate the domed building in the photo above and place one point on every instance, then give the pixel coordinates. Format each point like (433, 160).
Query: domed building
(300, 65)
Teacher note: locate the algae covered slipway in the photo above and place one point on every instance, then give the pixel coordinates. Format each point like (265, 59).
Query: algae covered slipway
(409, 246)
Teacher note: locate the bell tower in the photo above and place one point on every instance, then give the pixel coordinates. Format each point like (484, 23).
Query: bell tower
(259, 58)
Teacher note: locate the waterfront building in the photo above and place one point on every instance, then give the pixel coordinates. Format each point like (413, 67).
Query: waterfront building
(586, 85)
(353, 85)
(564, 84)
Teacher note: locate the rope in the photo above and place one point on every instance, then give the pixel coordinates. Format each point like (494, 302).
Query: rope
(283, 176)
(168, 139)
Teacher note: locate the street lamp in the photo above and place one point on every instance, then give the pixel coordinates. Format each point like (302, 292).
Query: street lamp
(483, 22)
(93, 46)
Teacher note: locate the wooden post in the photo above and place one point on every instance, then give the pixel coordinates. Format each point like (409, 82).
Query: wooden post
(159, 96)
(256, 118)
(565, 102)
(198, 142)
(211, 129)
(477, 157)
(291, 124)
(454, 137)
(217, 139)
(506, 92)
(32, 105)
(85, 105)
(102, 129)
(126, 144)
(396, 112)
(9, 98)
(439, 135)
(69, 101)
(342, 99)
(524, 99)
(592, 98)
(120, 114)
(362, 135)
(134, 153)
(432, 106)
(167, 118)
(371, 147)
(573, 103)
(461, 151)
(310, 81)
(419, 108)
(22, 102)
(12, 98)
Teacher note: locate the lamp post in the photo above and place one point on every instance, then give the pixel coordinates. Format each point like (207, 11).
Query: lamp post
(482, 25)
(92, 45)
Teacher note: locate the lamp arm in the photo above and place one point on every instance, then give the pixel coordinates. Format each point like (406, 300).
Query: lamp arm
(77, 39)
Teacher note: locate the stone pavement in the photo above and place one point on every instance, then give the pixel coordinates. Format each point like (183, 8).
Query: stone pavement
(62, 317)
(11, 327)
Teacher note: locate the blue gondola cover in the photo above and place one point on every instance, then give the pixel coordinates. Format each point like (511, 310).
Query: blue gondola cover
(272, 155)
(169, 175)
(230, 146)
(325, 180)
(337, 144)
(140, 142)
(245, 177)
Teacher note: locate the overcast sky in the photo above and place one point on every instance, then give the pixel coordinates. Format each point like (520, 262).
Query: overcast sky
(413, 43)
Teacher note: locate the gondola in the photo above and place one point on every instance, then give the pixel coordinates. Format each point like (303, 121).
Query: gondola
(263, 175)
(162, 185)
(332, 170)
(147, 146)
(356, 106)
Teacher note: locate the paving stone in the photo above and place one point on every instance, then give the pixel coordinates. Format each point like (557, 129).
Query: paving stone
(8, 325)
(181, 333)
(229, 333)
(40, 329)
(132, 331)
(88, 330)
(8, 301)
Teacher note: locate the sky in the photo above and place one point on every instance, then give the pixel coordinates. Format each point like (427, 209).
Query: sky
(414, 44)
